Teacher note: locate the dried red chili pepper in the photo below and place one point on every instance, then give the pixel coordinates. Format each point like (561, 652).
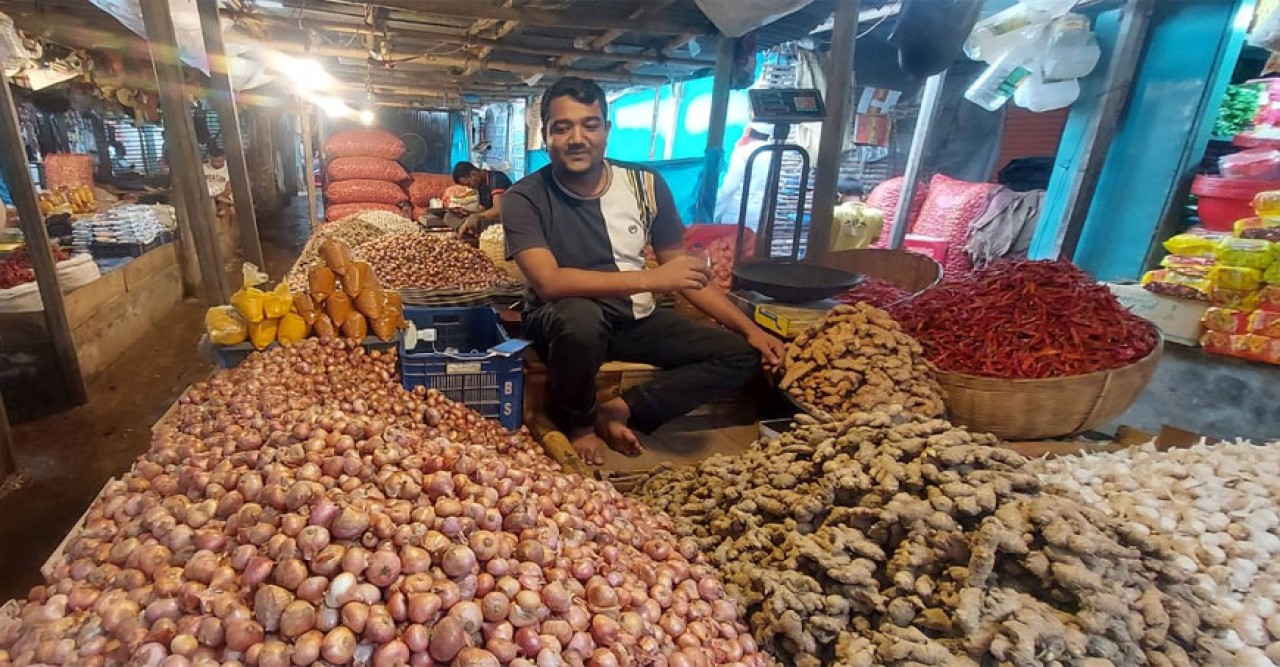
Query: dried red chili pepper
(875, 292)
(1025, 319)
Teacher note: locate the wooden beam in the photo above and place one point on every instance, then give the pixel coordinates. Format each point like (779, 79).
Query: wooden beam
(13, 160)
(599, 43)
(713, 157)
(461, 62)
(1135, 23)
(584, 19)
(308, 149)
(566, 56)
(831, 142)
(8, 465)
(186, 170)
(224, 103)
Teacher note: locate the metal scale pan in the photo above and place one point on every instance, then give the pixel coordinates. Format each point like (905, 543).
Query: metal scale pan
(784, 278)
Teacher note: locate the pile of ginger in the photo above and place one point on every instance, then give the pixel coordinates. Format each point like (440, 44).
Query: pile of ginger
(888, 538)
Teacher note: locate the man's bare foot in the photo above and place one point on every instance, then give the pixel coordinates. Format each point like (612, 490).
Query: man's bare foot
(588, 445)
(611, 425)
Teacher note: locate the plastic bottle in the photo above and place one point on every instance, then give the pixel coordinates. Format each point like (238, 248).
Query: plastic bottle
(1072, 49)
(995, 86)
(1039, 95)
(996, 35)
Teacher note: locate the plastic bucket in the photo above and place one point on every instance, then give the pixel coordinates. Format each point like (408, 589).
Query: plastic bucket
(1222, 201)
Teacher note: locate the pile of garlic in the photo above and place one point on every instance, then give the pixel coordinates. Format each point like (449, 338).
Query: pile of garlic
(1218, 506)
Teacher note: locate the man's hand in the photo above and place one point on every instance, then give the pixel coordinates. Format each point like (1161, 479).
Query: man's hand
(770, 348)
(681, 273)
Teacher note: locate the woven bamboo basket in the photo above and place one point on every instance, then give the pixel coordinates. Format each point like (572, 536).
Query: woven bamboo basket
(493, 245)
(1049, 408)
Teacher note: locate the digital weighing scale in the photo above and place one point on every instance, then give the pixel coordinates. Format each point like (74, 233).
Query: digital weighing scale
(766, 284)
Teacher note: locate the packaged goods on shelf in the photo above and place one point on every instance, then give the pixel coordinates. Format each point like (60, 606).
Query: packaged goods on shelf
(1244, 253)
(1226, 320)
(1258, 164)
(365, 168)
(1217, 342)
(1189, 264)
(1238, 299)
(1272, 274)
(225, 326)
(1195, 244)
(1267, 204)
(1235, 278)
(1174, 283)
(1266, 229)
(1269, 298)
(131, 224)
(365, 191)
(1264, 323)
(364, 143)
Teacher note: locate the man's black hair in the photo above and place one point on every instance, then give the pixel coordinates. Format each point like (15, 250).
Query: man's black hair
(463, 170)
(583, 91)
(849, 187)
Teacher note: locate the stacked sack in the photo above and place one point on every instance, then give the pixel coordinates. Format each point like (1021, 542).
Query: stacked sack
(259, 316)
(363, 174)
(425, 188)
(344, 298)
(1239, 274)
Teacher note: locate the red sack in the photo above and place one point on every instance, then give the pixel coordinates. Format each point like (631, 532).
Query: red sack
(885, 198)
(364, 190)
(718, 243)
(949, 212)
(426, 187)
(370, 168)
(364, 143)
(339, 211)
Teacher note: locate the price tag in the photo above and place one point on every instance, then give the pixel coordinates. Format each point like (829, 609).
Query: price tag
(462, 369)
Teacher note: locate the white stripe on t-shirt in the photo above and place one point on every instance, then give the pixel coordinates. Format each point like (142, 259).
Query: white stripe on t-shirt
(627, 233)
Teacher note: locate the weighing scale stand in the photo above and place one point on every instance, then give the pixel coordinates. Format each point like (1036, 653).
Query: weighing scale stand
(782, 278)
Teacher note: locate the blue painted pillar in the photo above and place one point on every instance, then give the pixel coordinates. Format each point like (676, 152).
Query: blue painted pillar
(1185, 69)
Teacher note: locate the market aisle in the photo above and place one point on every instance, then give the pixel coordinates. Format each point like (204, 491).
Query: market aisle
(69, 456)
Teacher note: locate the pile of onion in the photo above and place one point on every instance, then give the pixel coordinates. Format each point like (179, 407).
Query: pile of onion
(303, 509)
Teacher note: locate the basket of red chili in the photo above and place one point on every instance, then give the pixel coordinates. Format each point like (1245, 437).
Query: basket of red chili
(1032, 349)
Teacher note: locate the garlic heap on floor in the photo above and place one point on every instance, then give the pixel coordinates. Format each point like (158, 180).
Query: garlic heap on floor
(1216, 506)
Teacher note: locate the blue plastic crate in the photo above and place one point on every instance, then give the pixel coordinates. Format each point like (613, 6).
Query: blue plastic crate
(465, 354)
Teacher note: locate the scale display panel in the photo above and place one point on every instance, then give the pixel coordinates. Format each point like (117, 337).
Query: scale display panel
(786, 105)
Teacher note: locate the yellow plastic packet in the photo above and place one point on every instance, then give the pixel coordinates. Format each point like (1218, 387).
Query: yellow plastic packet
(292, 328)
(1267, 203)
(1245, 253)
(263, 333)
(248, 300)
(225, 326)
(1192, 245)
(1235, 278)
(278, 302)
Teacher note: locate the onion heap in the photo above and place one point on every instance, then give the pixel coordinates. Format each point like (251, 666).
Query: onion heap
(304, 509)
(431, 262)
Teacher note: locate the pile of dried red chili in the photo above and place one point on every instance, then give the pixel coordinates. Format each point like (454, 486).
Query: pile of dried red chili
(16, 268)
(1026, 319)
(874, 292)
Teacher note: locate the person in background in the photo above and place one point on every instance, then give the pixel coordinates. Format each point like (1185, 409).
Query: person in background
(489, 186)
(849, 190)
(729, 198)
(218, 180)
(578, 228)
(119, 159)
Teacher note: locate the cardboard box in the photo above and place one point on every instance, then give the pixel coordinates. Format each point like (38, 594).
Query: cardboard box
(1178, 319)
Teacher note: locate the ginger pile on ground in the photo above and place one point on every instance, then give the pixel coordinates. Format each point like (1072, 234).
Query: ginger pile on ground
(894, 539)
(857, 358)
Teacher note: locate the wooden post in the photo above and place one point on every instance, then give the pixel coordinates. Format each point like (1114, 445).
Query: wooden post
(224, 103)
(186, 170)
(8, 465)
(931, 99)
(304, 115)
(714, 155)
(13, 159)
(831, 142)
(1135, 22)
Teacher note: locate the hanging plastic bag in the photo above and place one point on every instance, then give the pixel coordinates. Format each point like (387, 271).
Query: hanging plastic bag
(355, 327)
(225, 326)
(1038, 95)
(248, 300)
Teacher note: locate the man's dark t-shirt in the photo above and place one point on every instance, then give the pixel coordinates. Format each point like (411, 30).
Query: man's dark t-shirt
(607, 233)
(497, 183)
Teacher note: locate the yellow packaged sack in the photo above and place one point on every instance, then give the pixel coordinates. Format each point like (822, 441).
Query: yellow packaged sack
(225, 326)
(248, 300)
(1193, 245)
(278, 302)
(263, 333)
(292, 328)
(1245, 253)
(1235, 278)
